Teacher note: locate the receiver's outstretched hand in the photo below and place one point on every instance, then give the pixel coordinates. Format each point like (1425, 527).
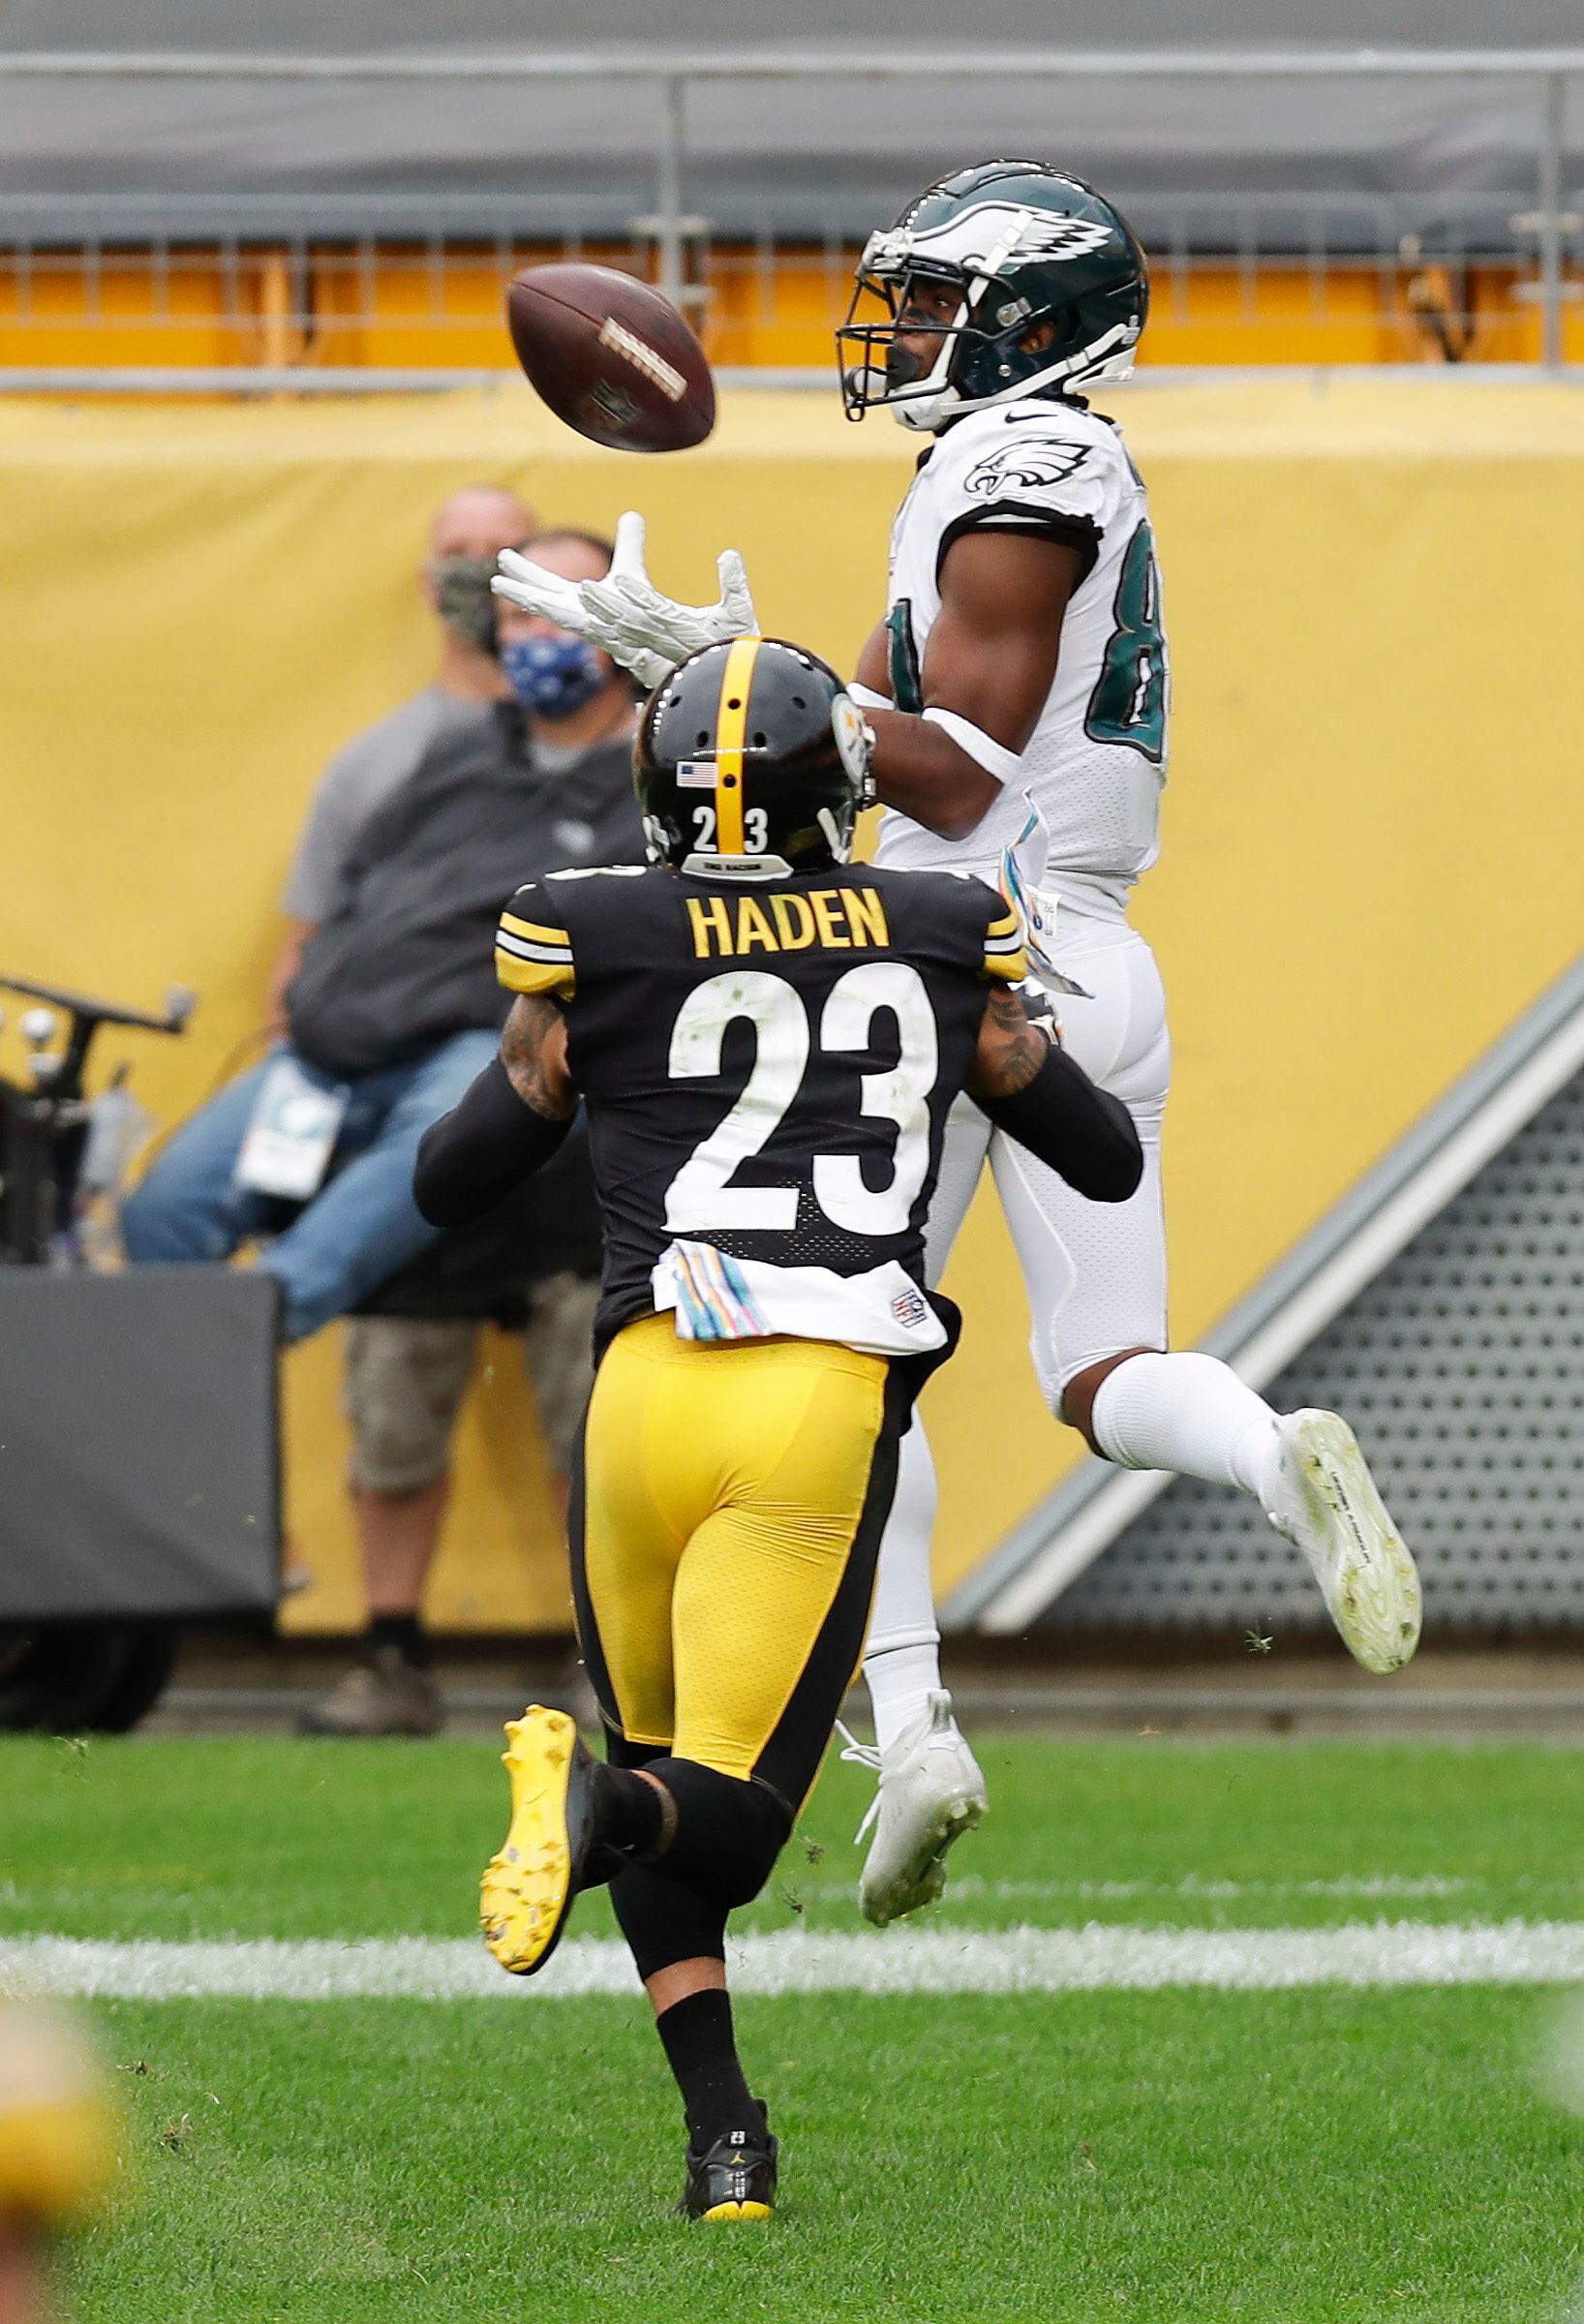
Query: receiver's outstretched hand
(650, 624)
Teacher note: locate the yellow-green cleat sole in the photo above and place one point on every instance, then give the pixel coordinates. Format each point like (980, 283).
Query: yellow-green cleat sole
(527, 1884)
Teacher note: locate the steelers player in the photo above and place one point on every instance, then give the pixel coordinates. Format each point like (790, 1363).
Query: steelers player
(1021, 664)
(768, 1041)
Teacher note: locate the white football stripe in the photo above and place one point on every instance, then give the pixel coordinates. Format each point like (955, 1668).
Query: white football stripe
(1093, 1959)
(1202, 1887)
(523, 948)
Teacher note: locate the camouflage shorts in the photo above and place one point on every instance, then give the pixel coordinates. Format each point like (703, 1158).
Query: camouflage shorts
(406, 1375)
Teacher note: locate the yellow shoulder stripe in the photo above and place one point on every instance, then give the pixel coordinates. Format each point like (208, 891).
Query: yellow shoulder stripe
(534, 931)
(518, 975)
(1012, 965)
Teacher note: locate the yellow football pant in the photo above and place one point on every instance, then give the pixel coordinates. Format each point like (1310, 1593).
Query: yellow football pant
(725, 1528)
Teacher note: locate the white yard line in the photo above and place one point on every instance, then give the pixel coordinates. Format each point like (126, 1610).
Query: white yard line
(798, 1961)
(1362, 1887)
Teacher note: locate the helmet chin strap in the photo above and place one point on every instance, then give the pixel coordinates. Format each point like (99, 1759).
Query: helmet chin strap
(939, 401)
(926, 413)
(840, 848)
(924, 404)
(1105, 359)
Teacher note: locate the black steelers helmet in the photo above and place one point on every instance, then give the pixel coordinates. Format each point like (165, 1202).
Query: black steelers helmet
(752, 760)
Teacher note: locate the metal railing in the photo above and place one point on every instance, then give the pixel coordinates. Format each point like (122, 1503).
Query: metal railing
(276, 255)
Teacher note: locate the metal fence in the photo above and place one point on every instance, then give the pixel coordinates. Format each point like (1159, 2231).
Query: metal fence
(1463, 1365)
(396, 286)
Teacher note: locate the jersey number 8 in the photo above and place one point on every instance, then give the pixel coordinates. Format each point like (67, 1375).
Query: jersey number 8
(1128, 704)
(702, 1196)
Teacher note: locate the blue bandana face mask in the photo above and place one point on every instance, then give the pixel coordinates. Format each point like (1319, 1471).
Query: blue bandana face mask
(552, 677)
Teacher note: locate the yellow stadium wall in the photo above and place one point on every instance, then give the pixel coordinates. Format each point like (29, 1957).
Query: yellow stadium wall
(1373, 829)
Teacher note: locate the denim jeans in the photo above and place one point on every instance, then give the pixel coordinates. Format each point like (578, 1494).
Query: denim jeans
(360, 1228)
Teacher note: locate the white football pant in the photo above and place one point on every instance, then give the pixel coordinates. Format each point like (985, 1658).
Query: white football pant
(1094, 1272)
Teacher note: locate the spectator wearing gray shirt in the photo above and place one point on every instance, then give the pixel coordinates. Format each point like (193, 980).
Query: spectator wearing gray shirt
(183, 1208)
(407, 1367)
(469, 532)
(390, 1361)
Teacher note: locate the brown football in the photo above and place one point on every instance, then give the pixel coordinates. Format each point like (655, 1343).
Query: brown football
(612, 357)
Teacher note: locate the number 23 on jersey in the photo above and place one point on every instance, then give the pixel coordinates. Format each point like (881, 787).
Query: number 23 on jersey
(702, 1195)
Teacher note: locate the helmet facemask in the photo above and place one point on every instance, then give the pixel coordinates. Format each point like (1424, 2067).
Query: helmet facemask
(869, 345)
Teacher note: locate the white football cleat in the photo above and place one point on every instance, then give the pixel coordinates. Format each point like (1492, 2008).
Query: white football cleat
(1326, 1502)
(931, 1793)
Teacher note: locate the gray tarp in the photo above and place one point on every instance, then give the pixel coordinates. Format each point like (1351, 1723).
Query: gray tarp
(139, 1444)
(762, 155)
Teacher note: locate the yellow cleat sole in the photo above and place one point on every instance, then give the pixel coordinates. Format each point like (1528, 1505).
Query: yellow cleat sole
(523, 1898)
(737, 2211)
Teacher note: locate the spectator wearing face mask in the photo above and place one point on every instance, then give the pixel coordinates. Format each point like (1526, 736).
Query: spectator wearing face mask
(469, 532)
(391, 1008)
(384, 1009)
(533, 1265)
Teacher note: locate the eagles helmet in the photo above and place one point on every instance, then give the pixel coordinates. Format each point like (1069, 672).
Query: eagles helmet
(1023, 245)
(753, 762)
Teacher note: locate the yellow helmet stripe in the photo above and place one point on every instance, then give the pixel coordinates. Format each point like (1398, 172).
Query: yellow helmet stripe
(730, 726)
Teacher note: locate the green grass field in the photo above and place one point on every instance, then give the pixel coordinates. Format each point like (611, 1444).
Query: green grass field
(1322, 2154)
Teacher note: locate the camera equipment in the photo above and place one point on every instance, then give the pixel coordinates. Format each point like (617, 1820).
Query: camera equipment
(46, 1121)
(102, 1673)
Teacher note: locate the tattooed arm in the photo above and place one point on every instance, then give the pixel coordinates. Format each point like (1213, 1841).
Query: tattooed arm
(533, 1053)
(1013, 1046)
(1031, 1089)
(507, 1124)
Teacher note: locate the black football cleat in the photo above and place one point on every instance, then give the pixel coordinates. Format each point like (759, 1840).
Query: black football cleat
(550, 1850)
(733, 2177)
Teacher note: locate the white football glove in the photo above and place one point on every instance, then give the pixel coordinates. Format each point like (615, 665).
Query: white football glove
(1040, 1008)
(530, 586)
(626, 615)
(645, 619)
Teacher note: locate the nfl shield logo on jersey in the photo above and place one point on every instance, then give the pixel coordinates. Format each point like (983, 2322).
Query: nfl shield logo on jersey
(910, 1308)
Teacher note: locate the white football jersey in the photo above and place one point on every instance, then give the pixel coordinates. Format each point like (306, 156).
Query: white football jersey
(1096, 760)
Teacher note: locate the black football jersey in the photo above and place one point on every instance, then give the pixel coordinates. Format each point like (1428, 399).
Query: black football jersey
(767, 1068)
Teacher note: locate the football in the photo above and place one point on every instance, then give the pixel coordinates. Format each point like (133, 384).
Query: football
(612, 357)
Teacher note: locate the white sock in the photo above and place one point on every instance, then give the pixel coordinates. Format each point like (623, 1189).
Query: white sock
(901, 1658)
(901, 1682)
(1190, 1414)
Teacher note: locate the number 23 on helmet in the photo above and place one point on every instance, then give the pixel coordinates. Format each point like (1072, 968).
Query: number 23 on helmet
(752, 759)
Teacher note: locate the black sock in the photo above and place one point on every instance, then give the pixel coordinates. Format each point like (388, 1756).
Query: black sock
(697, 2036)
(404, 1632)
(630, 1811)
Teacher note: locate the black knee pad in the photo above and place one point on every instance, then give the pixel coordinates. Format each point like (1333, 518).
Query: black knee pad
(729, 1831)
(664, 1922)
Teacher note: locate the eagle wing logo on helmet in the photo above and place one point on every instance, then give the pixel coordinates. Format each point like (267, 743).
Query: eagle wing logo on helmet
(1024, 468)
(1043, 235)
(992, 234)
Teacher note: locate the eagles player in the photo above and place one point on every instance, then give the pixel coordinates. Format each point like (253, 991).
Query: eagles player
(767, 1043)
(1021, 664)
